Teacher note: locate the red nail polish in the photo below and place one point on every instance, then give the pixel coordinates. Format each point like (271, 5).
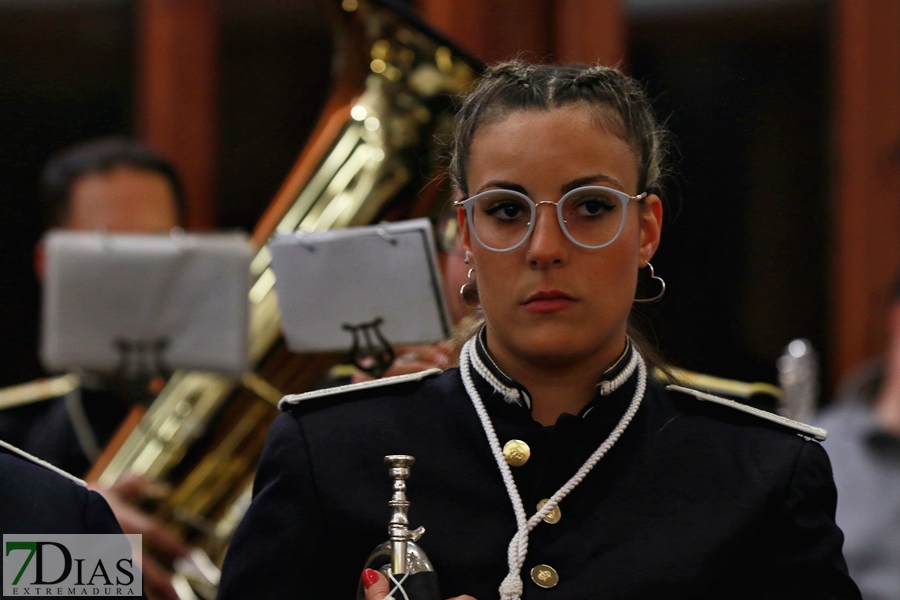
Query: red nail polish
(369, 576)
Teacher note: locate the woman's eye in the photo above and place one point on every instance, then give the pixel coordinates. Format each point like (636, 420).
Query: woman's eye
(505, 210)
(594, 207)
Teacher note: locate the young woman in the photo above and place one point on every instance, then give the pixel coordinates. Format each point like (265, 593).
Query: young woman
(550, 464)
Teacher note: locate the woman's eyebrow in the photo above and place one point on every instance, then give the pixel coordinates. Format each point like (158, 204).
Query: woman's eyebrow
(592, 179)
(503, 185)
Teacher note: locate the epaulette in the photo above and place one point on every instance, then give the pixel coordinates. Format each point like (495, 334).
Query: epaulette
(294, 399)
(720, 386)
(37, 391)
(34, 459)
(342, 371)
(816, 433)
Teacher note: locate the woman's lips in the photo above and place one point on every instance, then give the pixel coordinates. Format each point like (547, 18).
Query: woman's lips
(547, 301)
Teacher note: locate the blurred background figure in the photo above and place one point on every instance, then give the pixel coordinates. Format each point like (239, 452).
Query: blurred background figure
(864, 446)
(36, 499)
(113, 185)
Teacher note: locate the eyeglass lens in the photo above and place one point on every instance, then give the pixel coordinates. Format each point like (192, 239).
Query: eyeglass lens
(592, 217)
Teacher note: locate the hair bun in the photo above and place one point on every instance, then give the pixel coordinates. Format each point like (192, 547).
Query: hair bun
(516, 71)
(591, 75)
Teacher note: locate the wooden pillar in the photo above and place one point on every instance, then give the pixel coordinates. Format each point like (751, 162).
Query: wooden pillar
(536, 30)
(590, 31)
(866, 192)
(493, 29)
(177, 54)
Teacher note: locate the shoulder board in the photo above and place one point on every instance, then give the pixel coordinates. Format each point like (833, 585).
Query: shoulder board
(816, 433)
(338, 371)
(719, 385)
(34, 459)
(37, 391)
(288, 401)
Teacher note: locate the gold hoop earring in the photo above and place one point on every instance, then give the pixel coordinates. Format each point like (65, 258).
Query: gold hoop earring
(662, 284)
(468, 293)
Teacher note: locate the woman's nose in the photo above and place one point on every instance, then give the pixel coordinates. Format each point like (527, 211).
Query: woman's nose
(548, 243)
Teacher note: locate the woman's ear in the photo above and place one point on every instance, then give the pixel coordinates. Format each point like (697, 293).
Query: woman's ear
(651, 226)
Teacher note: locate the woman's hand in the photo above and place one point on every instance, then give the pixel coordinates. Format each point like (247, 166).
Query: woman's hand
(377, 586)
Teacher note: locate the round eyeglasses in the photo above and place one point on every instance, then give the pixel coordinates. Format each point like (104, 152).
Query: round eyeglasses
(591, 217)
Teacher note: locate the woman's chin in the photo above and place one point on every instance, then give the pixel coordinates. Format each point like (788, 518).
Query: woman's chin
(557, 351)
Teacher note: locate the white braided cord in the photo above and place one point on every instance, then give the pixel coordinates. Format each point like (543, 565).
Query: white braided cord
(488, 427)
(512, 395)
(512, 588)
(608, 387)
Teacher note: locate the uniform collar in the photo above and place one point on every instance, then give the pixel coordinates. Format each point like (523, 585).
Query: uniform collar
(499, 389)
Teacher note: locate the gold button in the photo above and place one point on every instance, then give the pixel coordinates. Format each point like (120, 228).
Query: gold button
(516, 452)
(545, 576)
(553, 516)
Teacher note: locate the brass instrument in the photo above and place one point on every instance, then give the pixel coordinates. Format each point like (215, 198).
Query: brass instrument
(375, 154)
(400, 559)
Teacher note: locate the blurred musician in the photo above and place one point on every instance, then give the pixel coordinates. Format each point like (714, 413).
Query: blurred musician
(119, 186)
(37, 498)
(864, 445)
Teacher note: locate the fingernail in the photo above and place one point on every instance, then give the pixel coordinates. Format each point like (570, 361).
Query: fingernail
(369, 576)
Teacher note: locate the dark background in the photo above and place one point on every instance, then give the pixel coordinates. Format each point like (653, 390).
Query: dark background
(744, 92)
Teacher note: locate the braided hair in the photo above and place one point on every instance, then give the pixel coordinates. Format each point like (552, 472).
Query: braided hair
(617, 103)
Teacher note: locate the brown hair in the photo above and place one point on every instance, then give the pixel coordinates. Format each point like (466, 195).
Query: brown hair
(617, 102)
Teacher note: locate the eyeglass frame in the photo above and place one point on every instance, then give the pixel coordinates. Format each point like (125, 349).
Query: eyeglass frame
(624, 199)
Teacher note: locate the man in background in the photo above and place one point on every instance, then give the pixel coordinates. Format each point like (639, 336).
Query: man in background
(112, 185)
(864, 446)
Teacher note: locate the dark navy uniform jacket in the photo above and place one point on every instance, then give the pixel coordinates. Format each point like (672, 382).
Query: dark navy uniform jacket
(695, 500)
(34, 499)
(45, 428)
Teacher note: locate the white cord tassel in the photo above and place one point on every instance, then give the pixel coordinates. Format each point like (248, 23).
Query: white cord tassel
(513, 396)
(512, 588)
(608, 387)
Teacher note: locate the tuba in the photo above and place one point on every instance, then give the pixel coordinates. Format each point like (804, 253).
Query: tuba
(375, 154)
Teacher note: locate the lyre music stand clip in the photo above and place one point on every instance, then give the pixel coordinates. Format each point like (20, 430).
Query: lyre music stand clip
(374, 357)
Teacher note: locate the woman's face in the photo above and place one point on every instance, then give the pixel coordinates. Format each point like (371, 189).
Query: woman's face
(550, 302)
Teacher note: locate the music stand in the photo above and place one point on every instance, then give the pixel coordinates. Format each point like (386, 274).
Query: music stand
(136, 306)
(363, 288)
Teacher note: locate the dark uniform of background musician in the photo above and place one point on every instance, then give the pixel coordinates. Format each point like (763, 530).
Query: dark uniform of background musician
(34, 499)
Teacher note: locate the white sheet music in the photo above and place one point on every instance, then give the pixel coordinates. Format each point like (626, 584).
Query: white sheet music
(327, 279)
(113, 298)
